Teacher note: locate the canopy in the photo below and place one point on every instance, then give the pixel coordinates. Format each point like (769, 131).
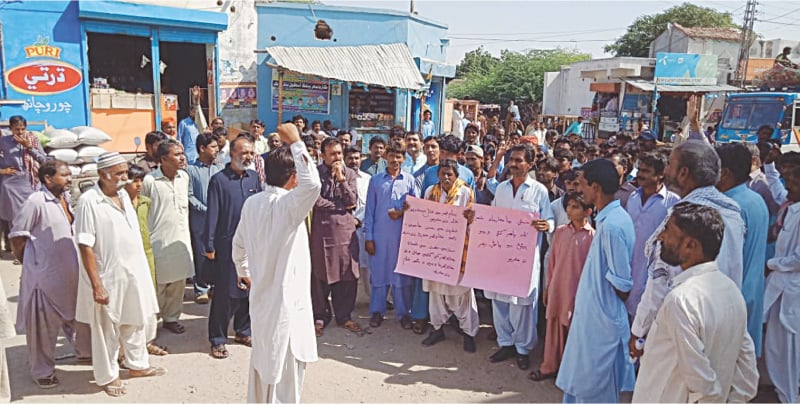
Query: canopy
(384, 65)
(647, 85)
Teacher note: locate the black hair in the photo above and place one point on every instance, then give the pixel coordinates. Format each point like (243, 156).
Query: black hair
(135, 172)
(279, 166)
(549, 164)
(658, 161)
(350, 150)
(450, 144)
(527, 152)
(258, 122)
(343, 132)
(154, 137)
(50, 167)
(736, 158)
(396, 148)
(310, 141)
(298, 117)
(570, 175)
(328, 142)
(702, 223)
(219, 133)
(577, 197)
(490, 139)
(429, 138)
(375, 140)
(412, 133)
(448, 163)
(624, 160)
(203, 140)
(316, 121)
(564, 154)
(604, 173)
(767, 127)
(17, 119)
(791, 158)
(166, 146)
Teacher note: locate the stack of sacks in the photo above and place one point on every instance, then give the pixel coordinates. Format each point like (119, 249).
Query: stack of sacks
(78, 147)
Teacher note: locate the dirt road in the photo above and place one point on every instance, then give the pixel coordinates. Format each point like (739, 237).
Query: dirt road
(389, 365)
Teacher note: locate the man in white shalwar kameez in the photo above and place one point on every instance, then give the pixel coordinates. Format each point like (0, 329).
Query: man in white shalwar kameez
(279, 277)
(782, 298)
(698, 348)
(115, 292)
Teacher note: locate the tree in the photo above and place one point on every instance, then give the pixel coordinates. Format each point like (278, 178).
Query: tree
(636, 40)
(478, 61)
(515, 75)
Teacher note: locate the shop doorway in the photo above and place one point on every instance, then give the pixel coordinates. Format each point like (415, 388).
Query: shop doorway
(185, 68)
(118, 62)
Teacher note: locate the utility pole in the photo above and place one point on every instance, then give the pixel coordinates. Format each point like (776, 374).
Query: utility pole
(412, 7)
(747, 40)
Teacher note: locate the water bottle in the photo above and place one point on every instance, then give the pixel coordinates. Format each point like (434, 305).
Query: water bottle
(639, 344)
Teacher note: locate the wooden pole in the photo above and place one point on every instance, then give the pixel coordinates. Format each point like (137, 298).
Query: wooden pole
(280, 97)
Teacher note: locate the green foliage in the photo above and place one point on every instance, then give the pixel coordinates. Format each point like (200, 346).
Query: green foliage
(636, 40)
(478, 61)
(515, 75)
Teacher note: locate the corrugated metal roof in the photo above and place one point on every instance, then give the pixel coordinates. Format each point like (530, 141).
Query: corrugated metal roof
(646, 85)
(384, 65)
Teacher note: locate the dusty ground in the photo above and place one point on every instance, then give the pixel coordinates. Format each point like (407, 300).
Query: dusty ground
(389, 365)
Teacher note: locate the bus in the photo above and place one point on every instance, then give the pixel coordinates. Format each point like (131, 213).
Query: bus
(744, 113)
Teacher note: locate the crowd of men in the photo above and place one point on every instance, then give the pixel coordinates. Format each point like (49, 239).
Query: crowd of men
(675, 255)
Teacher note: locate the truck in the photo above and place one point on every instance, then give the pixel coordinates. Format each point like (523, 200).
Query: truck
(744, 113)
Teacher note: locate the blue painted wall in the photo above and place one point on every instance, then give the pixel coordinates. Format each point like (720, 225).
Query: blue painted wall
(293, 25)
(23, 25)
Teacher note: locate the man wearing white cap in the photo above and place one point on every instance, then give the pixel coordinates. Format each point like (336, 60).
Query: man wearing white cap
(115, 293)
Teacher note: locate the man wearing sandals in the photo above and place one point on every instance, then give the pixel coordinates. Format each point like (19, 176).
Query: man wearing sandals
(168, 190)
(278, 277)
(334, 244)
(115, 292)
(41, 238)
(227, 192)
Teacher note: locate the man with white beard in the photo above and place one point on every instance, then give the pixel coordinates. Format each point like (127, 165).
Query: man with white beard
(115, 293)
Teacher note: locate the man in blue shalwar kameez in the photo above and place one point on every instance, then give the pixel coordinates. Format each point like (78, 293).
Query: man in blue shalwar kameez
(595, 366)
(383, 224)
(733, 183)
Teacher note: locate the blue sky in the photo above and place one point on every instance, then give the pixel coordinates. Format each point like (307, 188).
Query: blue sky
(585, 25)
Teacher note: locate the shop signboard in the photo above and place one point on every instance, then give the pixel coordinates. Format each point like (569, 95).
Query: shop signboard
(686, 69)
(43, 74)
(609, 122)
(302, 93)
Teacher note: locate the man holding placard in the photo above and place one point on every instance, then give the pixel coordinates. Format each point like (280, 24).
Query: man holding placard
(446, 300)
(515, 316)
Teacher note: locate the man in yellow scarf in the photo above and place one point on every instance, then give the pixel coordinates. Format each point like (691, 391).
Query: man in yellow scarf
(447, 300)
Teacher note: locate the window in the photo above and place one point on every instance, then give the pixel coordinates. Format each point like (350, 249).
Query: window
(749, 115)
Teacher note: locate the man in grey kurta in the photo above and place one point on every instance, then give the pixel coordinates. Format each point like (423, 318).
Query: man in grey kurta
(42, 238)
(200, 172)
(168, 189)
(334, 244)
(20, 154)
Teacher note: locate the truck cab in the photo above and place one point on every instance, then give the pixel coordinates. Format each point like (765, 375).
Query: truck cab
(745, 112)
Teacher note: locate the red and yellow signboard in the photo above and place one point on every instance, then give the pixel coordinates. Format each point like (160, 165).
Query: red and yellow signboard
(44, 77)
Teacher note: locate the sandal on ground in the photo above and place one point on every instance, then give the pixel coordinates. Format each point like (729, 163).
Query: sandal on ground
(538, 376)
(156, 350)
(149, 372)
(121, 362)
(244, 340)
(175, 327)
(16, 262)
(115, 388)
(219, 351)
(318, 327)
(47, 382)
(352, 326)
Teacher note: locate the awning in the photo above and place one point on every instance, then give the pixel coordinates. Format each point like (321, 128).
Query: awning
(384, 65)
(436, 68)
(647, 85)
(135, 13)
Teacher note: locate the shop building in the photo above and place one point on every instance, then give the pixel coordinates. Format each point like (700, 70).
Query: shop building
(115, 65)
(377, 70)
